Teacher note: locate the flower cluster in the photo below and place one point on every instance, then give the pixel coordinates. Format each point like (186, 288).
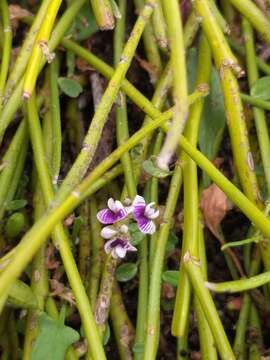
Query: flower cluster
(117, 216)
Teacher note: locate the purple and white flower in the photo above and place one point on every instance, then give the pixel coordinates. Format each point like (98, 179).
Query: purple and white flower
(144, 215)
(116, 211)
(118, 247)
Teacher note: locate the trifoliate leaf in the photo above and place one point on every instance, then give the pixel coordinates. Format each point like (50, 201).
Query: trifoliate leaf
(171, 277)
(126, 272)
(53, 339)
(70, 87)
(261, 88)
(152, 169)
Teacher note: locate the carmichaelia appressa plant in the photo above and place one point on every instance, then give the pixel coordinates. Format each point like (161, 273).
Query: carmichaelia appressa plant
(118, 216)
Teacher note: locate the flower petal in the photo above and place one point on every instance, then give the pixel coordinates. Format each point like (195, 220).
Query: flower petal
(106, 216)
(130, 247)
(111, 204)
(107, 232)
(108, 246)
(119, 251)
(138, 206)
(146, 226)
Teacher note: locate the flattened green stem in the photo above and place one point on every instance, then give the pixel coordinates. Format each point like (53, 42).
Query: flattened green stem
(159, 26)
(240, 285)
(121, 323)
(97, 244)
(153, 313)
(40, 48)
(221, 50)
(92, 138)
(259, 115)
(256, 346)
(180, 90)
(103, 14)
(122, 131)
(191, 202)
(6, 48)
(209, 309)
(150, 45)
(256, 17)
(9, 161)
(207, 343)
(219, 17)
(259, 103)
(56, 119)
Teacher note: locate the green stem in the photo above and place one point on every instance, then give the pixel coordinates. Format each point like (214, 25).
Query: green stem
(208, 306)
(153, 313)
(97, 245)
(240, 285)
(122, 131)
(103, 14)
(256, 17)
(40, 48)
(159, 27)
(150, 45)
(6, 48)
(263, 104)
(180, 90)
(191, 202)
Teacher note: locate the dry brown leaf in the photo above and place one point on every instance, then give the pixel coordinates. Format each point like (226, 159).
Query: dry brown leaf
(16, 14)
(148, 67)
(58, 289)
(214, 205)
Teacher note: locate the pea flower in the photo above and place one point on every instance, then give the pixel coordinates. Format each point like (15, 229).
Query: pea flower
(119, 244)
(144, 215)
(116, 211)
(118, 247)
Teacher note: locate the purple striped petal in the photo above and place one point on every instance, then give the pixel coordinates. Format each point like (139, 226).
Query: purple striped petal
(106, 216)
(146, 226)
(138, 206)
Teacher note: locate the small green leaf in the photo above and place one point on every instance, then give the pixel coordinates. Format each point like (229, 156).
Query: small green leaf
(171, 277)
(16, 205)
(53, 339)
(84, 25)
(107, 335)
(136, 151)
(172, 241)
(136, 235)
(78, 221)
(21, 295)
(152, 169)
(261, 88)
(15, 224)
(70, 87)
(213, 122)
(126, 272)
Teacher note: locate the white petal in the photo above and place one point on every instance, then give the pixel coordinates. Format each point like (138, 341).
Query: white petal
(111, 204)
(154, 215)
(120, 251)
(138, 199)
(107, 232)
(131, 247)
(118, 206)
